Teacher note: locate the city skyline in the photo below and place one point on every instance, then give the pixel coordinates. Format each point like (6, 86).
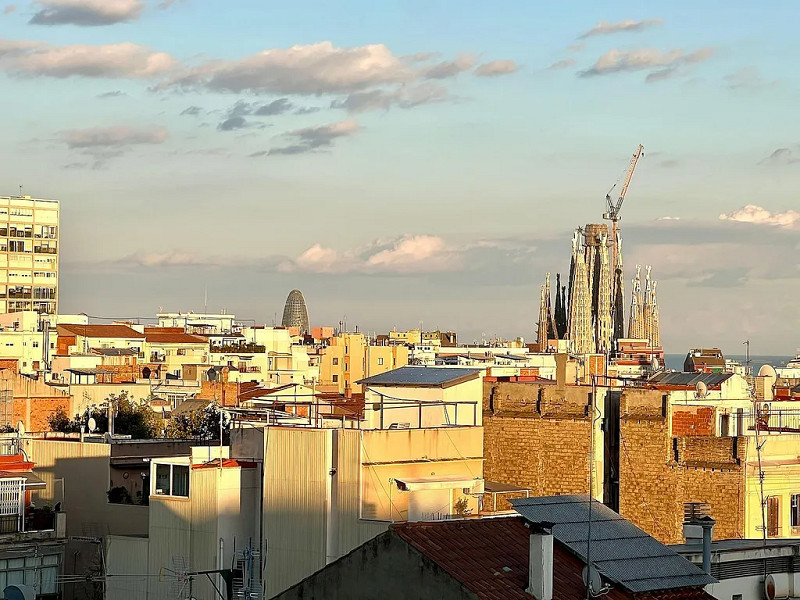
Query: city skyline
(431, 169)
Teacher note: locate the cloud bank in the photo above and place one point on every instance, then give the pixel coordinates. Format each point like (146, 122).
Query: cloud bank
(758, 215)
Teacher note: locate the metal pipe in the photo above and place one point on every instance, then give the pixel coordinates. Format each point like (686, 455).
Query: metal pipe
(708, 527)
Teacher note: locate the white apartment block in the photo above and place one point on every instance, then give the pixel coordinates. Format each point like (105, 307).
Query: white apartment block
(29, 229)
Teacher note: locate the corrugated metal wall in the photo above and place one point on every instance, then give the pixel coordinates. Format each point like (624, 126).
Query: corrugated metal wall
(126, 556)
(294, 505)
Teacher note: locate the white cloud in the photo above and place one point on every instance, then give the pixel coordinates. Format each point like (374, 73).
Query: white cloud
(123, 60)
(87, 13)
(317, 68)
(495, 68)
(562, 64)
(661, 64)
(174, 258)
(758, 215)
(421, 252)
(667, 218)
(607, 28)
(404, 255)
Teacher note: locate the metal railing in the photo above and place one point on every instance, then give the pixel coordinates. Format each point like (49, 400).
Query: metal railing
(780, 420)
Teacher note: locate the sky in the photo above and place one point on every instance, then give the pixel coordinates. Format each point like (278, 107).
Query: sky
(410, 163)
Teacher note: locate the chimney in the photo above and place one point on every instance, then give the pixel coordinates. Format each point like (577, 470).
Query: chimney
(698, 528)
(561, 371)
(540, 561)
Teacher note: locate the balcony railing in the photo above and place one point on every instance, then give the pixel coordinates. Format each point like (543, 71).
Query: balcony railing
(35, 520)
(769, 421)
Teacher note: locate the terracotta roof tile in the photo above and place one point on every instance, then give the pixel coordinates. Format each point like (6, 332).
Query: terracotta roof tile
(490, 558)
(100, 331)
(172, 337)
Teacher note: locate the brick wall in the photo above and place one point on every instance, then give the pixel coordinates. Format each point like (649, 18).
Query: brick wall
(693, 420)
(659, 472)
(536, 437)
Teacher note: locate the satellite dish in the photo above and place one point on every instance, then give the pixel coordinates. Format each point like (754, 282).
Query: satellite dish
(767, 371)
(592, 579)
(92, 424)
(19, 591)
(20, 428)
(701, 389)
(655, 364)
(212, 375)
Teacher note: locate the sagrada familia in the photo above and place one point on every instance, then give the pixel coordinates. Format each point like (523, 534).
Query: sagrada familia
(588, 311)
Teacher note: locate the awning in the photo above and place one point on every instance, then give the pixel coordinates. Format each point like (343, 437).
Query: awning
(443, 482)
(31, 480)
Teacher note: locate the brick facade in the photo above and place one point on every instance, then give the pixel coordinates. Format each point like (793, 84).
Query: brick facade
(691, 420)
(536, 437)
(660, 472)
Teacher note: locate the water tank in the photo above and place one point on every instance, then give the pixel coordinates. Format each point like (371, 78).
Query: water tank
(776, 586)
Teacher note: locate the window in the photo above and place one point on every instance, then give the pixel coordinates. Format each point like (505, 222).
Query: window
(172, 480)
(335, 379)
(795, 510)
(380, 361)
(335, 361)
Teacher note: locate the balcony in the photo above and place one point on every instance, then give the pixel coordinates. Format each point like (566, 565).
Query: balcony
(239, 349)
(38, 522)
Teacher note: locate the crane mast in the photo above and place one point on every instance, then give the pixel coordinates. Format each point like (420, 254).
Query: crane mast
(614, 208)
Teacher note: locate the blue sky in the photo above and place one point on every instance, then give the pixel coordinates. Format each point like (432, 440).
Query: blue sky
(410, 161)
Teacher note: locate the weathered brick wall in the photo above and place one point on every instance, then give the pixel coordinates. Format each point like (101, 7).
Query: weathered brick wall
(693, 420)
(536, 437)
(658, 475)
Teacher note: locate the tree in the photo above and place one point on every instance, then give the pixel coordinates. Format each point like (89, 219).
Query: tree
(201, 424)
(131, 417)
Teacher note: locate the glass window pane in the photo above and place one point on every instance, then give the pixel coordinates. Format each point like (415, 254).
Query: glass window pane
(50, 559)
(162, 479)
(15, 577)
(2, 580)
(180, 480)
(16, 563)
(49, 580)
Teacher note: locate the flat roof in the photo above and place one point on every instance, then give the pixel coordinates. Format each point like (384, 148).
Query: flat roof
(421, 377)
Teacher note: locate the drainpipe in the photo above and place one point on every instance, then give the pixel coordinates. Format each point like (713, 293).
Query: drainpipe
(707, 523)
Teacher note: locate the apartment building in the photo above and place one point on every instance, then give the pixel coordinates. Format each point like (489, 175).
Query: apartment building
(350, 357)
(29, 230)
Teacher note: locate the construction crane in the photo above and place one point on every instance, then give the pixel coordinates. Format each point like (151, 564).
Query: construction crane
(614, 207)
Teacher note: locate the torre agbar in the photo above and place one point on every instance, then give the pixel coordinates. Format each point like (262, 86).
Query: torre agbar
(588, 312)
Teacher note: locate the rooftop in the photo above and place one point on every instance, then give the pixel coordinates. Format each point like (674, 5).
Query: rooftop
(621, 552)
(172, 337)
(490, 557)
(711, 380)
(422, 377)
(100, 331)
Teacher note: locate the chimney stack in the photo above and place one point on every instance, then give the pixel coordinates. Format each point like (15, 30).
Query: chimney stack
(698, 527)
(540, 561)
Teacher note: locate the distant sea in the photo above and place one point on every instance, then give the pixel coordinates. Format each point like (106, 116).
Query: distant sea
(675, 361)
